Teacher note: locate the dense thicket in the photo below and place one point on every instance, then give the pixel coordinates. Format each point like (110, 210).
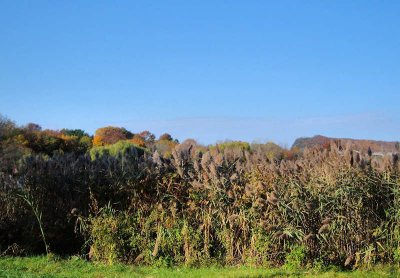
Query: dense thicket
(228, 204)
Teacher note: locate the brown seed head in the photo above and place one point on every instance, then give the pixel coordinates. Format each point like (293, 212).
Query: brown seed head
(272, 199)
(327, 220)
(278, 234)
(323, 228)
(349, 259)
(309, 236)
(75, 211)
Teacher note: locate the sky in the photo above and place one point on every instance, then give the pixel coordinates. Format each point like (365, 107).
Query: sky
(208, 70)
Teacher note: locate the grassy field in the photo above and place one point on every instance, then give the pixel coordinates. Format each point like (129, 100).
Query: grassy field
(75, 267)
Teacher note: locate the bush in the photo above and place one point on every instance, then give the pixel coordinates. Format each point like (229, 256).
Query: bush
(120, 148)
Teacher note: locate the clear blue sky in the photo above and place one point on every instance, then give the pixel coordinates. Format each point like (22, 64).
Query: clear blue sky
(209, 70)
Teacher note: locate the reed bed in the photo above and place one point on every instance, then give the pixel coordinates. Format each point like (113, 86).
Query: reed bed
(206, 206)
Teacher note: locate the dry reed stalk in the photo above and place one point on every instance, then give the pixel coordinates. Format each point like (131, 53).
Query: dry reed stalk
(158, 241)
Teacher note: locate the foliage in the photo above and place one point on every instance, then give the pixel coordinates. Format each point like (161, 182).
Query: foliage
(110, 135)
(271, 150)
(243, 146)
(166, 137)
(138, 141)
(119, 148)
(295, 258)
(11, 145)
(165, 147)
(147, 136)
(32, 138)
(74, 132)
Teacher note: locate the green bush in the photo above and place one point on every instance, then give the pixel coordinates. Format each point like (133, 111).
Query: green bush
(295, 258)
(120, 148)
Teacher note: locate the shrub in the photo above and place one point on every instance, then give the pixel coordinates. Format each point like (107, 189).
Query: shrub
(120, 148)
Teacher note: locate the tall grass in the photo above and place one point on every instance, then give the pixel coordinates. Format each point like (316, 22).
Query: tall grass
(224, 206)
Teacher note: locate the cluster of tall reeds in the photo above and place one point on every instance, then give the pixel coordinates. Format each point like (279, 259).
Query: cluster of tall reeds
(203, 206)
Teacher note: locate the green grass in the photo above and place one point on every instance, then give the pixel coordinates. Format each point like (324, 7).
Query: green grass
(75, 267)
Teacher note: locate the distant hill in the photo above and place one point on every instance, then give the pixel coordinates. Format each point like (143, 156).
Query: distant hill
(356, 144)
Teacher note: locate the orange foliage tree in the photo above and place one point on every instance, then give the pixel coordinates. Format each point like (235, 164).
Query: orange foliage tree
(110, 135)
(138, 141)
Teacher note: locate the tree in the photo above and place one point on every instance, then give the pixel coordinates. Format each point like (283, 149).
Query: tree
(7, 127)
(46, 141)
(147, 136)
(165, 147)
(138, 141)
(74, 132)
(166, 137)
(110, 135)
(270, 150)
(12, 146)
(75, 144)
(32, 127)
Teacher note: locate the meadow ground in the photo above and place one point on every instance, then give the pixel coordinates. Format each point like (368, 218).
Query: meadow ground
(75, 267)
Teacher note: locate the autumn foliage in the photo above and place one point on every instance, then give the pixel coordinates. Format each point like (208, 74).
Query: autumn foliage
(138, 140)
(110, 135)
